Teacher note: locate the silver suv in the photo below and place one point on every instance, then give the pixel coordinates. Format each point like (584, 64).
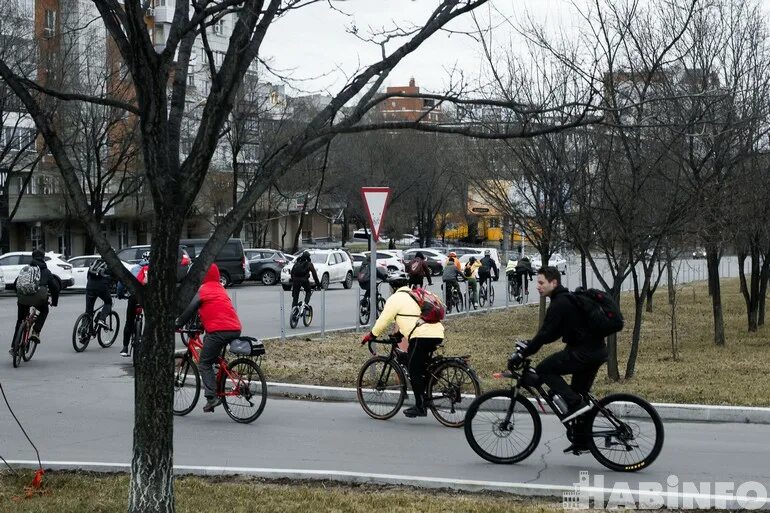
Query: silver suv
(332, 266)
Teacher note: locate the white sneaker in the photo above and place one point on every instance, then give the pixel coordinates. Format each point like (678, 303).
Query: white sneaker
(124, 352)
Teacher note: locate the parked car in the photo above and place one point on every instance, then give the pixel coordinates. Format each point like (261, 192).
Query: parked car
(332, 266)
(80, 265)
(2, 281)
(231, 259)
(556, 260)
(464, 254)
(132, 254)
(406, 239)
(699, 253)
(265, 264)
(11, 263)
(357, 259)
(434, 259)
(389, 259)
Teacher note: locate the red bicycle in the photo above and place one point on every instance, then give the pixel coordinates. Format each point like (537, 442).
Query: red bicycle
(240, 382)
(22, 348)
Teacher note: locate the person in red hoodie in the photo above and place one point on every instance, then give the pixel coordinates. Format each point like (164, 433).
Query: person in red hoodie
(221, 324)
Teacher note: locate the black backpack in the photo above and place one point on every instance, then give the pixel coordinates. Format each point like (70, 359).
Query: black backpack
(601, 313)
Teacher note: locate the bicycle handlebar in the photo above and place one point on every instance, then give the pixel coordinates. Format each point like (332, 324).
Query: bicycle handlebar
(391, 340)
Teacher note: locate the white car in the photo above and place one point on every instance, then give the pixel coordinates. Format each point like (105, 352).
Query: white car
(332, 266)
(2, 281)
(389, 259)
(406, 239)
(465, 254)
(556, 261)
(80, 265)
(13, 262)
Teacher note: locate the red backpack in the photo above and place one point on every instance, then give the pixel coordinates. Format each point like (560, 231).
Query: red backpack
(431, 307)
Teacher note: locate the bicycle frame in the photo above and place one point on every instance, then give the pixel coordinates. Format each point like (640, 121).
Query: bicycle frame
(194, 348)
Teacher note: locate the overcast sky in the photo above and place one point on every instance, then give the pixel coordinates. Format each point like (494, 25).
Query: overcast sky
(314, 42)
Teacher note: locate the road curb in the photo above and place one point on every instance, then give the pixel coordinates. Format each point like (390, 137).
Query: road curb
(667, 411)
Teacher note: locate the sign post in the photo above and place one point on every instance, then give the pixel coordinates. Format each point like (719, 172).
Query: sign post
(376, 203)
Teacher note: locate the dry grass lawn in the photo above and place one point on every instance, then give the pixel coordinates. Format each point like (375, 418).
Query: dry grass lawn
(65, 492)
(734, 374)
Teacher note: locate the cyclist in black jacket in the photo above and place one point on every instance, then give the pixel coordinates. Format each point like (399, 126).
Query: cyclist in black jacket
(488, 265)
(300, 278)
(582, 357)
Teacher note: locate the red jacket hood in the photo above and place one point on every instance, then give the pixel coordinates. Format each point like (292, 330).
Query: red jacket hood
(212, 274)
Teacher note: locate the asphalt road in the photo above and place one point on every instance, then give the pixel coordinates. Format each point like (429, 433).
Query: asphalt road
(88, 418)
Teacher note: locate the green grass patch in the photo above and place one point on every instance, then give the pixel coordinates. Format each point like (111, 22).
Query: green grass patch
(71, 492)
(704, 373)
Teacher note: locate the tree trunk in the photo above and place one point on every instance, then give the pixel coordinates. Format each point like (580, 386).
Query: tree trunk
(712, 261)
(152, 475)
(763, 278)
(650, 293)
(583, 269)
(670, 278)
(750, 289)
(613, 370)
(639, 299)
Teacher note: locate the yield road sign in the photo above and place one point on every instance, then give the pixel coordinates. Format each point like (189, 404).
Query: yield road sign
(376, 202)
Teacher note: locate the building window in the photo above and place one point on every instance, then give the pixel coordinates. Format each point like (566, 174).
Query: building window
(49, 26)
(219, 58)
(3, 178)
(191, 79)
(17, 138)
(219, 27)
(35, 235)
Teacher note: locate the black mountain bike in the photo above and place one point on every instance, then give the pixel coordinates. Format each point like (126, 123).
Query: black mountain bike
(455, 301)
(486, 293)
(87, 327)
(364, 308)
(382, 381)
(625, 433)
(515, 292)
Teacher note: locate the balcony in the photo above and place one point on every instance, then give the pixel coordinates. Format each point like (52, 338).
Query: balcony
(163, 13)
(39, 207)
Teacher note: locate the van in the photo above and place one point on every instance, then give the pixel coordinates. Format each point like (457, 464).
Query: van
(231, 260)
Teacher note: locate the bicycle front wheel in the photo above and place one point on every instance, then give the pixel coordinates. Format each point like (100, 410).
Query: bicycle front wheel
(626, 433)
(363, 314)
(491, 295)
(244, 390)
(81, 333)
(107, 336)
(482, 297)
(502, 429)
(307, 315)
(451, 390)
(381, 387)
(16, 345)
(187, 384)
(28, 347)
(294, 318)
(136, 339)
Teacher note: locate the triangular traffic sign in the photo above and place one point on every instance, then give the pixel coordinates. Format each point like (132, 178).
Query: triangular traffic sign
(376, 202)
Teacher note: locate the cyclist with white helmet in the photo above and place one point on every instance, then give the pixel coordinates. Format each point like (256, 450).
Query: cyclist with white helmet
(423, 338)
(487, 266)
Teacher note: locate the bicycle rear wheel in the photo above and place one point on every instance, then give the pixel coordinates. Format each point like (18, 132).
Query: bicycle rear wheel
(107, 336)
(502, 429)
(136, 339)
(380, 304)
(451, 390)
(244, 392)
(187, 384)
(28, 347)
(16, 345)
(363, 313)
(482, 296)
(81, 333)
(307, 315)
(491, 290)
(626, 433)
(381, 387)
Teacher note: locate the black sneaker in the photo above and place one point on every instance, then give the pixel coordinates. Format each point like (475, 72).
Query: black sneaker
(415, 411)
(211, 403)
(577, 448)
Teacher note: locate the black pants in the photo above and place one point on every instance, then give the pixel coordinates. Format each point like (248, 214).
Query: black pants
(483, 278)
(296, 285)
(582, 365)
(23, 312)
(128, 329)
(104, 295)
(420, 350)
(213, 344)
(449, 285)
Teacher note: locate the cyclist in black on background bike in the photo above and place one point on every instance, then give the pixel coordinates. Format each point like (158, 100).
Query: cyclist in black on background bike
(582, 358)
(300, 278)
(452, 273)
(488, 266)
(139, 271)
(98, 286)
(33, 286)
(520, 273)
